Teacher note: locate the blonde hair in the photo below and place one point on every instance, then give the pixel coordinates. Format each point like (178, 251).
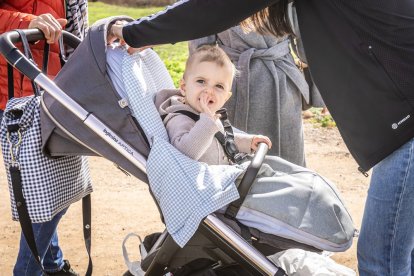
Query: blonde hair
(210, 53)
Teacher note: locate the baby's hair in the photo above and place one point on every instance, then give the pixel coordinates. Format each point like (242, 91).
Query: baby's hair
(210, 53)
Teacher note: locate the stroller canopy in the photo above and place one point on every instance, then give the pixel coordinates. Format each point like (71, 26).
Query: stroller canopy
(84, 78)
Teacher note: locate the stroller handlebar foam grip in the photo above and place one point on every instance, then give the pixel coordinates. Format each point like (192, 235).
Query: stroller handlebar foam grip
(17, 59)
(260, 155)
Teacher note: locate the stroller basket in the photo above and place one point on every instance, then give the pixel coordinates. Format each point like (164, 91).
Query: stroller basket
(220, 234)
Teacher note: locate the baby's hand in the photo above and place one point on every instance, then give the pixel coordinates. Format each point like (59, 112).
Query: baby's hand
(204, 99)
(260, 139)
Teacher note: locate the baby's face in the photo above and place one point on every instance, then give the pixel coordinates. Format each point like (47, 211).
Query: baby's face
(207, 81)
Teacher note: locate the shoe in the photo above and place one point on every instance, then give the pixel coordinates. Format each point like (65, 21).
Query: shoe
(307, 114)
(65, 271)
(325, 112)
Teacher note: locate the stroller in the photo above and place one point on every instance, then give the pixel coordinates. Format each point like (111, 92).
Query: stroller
(217, 247)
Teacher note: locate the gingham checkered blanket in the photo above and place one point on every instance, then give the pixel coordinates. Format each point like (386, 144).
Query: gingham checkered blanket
(49, 185)
(186, 190)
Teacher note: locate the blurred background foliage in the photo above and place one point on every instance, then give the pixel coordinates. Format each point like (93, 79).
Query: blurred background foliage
(174, 56)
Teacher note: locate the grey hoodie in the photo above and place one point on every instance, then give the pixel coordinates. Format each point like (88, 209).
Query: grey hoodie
(195, 139)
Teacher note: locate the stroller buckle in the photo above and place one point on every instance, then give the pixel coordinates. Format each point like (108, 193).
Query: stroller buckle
(123, 103)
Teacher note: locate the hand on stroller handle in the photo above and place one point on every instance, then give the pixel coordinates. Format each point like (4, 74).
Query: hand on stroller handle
(50, 26)
(114, 33)
(17, 59)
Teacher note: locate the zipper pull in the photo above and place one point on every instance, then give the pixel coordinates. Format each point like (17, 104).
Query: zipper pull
(361, 170)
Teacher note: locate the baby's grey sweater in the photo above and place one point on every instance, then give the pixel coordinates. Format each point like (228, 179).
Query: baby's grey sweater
(196, 139)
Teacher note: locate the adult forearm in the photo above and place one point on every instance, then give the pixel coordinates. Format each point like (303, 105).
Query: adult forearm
(190, 19)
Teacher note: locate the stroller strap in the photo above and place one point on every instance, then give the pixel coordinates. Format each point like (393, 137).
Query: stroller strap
(226, 140)
(28, 54)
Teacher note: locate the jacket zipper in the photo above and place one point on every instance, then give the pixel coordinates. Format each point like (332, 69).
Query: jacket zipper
(361, 170)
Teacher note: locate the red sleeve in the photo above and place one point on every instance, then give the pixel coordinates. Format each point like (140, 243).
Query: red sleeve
(10, 20)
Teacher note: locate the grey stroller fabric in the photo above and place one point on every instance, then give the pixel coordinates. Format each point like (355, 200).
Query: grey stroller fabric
(85, 82)
(296, 203)
(267, 95)
(49, 185)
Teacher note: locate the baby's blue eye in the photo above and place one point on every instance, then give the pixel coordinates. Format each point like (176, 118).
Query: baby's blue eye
(219, 86)
(200, 81)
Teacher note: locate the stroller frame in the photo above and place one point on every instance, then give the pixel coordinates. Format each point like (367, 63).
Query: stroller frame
(220, 234)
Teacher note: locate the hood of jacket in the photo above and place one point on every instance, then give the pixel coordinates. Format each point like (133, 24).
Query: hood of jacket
(169, 101)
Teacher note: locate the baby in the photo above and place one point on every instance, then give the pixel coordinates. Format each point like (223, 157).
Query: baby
(190, 112)
(283, 196)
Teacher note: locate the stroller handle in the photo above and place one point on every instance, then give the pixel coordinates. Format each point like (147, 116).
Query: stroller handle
(17, 59)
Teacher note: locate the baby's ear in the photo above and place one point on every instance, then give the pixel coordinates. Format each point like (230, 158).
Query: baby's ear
(182, 87)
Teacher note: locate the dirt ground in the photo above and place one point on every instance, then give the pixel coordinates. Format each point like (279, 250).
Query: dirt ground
(122, 204)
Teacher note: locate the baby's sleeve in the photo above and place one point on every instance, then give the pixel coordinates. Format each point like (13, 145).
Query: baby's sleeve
(243, 142)
(190, 137)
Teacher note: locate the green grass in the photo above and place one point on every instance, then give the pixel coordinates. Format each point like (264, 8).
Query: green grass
(320, 120)
(174, 56)
(99, 10)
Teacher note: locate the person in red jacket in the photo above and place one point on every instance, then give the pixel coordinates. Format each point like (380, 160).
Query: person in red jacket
(50, 17)
(24, 14)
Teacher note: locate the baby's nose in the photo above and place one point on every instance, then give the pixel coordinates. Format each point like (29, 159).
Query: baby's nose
(209, 90)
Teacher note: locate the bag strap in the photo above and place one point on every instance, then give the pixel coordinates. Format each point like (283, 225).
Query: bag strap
(21, 206)
(46, 52)
(62, 55)
(87, 229)
(10, 81)
(28, 54)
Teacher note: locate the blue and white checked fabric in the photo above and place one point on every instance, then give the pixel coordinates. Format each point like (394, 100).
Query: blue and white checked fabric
(49, 185)
(186, 190)
(143, 76)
